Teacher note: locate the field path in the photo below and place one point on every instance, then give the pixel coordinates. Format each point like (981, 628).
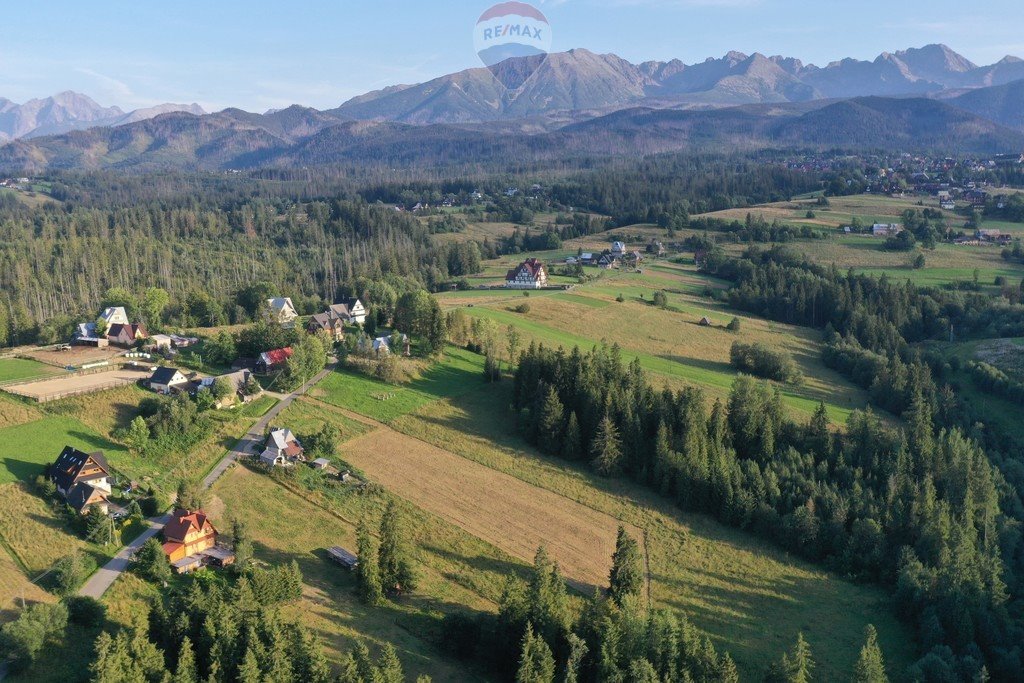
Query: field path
(511, 514)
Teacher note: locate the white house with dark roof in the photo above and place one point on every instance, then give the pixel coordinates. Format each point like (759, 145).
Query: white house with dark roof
(165, 380)
(282, 448)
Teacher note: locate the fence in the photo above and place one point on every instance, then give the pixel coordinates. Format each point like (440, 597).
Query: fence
(84, 390)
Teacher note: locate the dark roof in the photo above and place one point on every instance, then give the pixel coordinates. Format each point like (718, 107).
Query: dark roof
(343, 556)
(78, 497)
(118, 330)
(66, 469)
(163, 375)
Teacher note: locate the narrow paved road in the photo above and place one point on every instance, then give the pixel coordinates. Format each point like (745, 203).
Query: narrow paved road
(104, 578)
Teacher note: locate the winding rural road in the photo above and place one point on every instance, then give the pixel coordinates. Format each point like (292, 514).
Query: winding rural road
(100, 582)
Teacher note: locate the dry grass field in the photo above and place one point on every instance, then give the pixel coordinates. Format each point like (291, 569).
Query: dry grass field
(31, 531)
(748, 596)
(287, 525)
(14, 412)
(496, 507)
(14, 586)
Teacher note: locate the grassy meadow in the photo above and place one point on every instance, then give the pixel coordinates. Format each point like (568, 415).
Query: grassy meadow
(669, 342)
(16, 369)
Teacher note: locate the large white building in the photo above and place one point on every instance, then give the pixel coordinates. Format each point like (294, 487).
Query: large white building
(530, 274)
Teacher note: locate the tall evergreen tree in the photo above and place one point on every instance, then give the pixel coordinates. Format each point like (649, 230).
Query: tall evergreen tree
(397, 573)
(627, 575)
(186, 670)
(550, 422)
(536, 663)
(572, 442)
(368, 571)
(870, 667)
(606, 448)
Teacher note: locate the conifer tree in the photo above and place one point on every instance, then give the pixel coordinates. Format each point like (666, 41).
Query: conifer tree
(547, 599)
(549, 427)
(368, 570)
(249, 669)
(396, 571)
(870, 667)
(606, 449)
(536, 663)
(627, 576)
(389, 668)
(572, 442)
(641, 671)
(186, 671)
(577, 652)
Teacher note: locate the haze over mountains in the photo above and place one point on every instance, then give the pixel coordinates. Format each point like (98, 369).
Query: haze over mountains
(581, 80)
(68, 111)
(577, 104)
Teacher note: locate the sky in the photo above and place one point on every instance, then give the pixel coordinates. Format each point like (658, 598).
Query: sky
(259, 54)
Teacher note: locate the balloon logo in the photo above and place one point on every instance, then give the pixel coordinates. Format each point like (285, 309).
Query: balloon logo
(512, 39)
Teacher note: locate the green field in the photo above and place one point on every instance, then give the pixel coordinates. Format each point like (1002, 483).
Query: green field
(26, 449)
(14, 369)
(668, 342)
(457, 372)
(947, 263)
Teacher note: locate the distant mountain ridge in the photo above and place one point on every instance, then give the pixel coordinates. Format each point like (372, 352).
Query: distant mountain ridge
(300, 137)
(580, 80)
(69, 111)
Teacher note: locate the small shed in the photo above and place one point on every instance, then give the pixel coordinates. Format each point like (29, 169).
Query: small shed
(343, 557)
(705, 322)
(320, 464)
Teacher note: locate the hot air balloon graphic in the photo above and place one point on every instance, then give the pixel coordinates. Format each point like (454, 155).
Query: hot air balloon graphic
(512, 39)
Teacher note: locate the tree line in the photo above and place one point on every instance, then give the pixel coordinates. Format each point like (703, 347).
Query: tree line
(919, 510)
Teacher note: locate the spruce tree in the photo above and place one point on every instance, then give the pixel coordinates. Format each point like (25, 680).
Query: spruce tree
(549, 427)
(547, 599)
(627, 576)
(641, 671)
(536, 663)
(243, 545)
(606, 449)
(389, 668)
(186, 671)
(368, 571)
(396, 571)
(577, 652)
(572, 442)
(870, 666)
(249, 669)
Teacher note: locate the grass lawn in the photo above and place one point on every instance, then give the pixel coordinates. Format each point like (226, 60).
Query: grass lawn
(459, 371)
(25, 449)
(12, 369)
(750, 597)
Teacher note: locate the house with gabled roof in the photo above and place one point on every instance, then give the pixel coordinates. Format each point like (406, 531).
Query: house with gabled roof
(281, 310)
(164, 380)
(83, 479)
(187, 536)
(115, 315)
(530, 274)
(282, 448)
(273, 360)
(126, 335)
(351, 310)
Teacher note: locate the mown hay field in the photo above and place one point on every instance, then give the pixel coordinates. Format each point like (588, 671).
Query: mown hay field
(749, 596)
(496, 507)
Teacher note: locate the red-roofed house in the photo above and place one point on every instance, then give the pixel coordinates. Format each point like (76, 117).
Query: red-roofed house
(186, 534)
(530, 274)
(272, 360)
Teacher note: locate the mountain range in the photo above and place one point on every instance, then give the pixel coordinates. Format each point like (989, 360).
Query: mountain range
(577, 104)
(68, 111)
(579, 80)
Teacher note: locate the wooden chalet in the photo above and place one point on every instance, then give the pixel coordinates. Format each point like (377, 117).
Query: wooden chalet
(83, 479)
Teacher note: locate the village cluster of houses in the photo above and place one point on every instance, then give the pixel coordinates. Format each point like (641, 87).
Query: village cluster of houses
(618, 256)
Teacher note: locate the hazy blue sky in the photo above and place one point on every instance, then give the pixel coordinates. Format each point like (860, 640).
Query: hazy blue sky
(261, 54)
